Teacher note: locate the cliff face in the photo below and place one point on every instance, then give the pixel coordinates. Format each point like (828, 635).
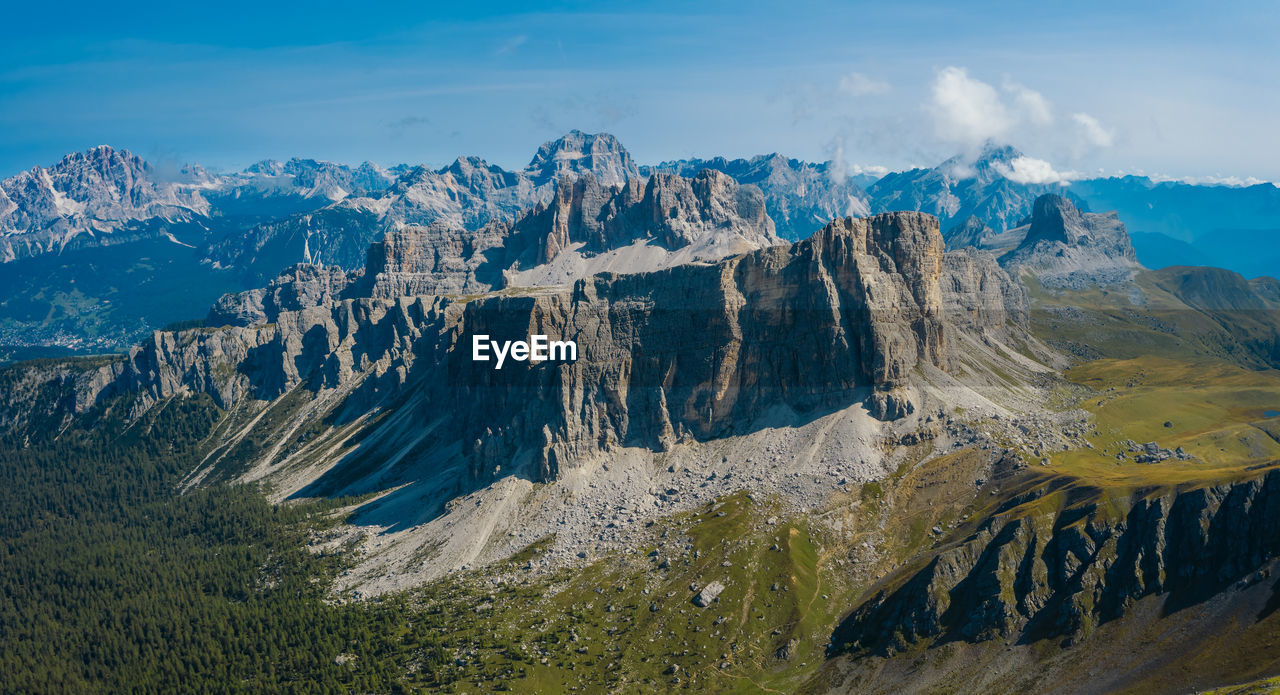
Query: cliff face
(800, 196)
(690, 351)
(294, 289)
(701, 351)
(979, 295)
(668, 210)
(1068, 248)
(587, 227)
(1060, 572)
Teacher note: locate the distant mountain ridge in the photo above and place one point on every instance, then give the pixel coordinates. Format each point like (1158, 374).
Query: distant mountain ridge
(585, 229)
(958, 189)
(184, 237)
(1067, 247)
(800, 196)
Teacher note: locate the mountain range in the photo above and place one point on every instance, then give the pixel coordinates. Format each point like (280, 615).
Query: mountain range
(858, 462)
(966, 446)
(70, 233)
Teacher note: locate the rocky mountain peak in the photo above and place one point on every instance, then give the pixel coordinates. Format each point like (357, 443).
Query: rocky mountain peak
(268, 167)
(577, 153)
(1068, 248)
(371, 177)
(1055, 218)
(994, 153)
(102, 173)
(477, 174)
(800, 196)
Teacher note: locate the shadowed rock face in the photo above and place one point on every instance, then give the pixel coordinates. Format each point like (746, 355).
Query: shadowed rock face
(649, 225)
(702, 351)
(669, 210)
(698, 351)
(970, 232)
(1058, 574)
(800, 196)
(1066, 247)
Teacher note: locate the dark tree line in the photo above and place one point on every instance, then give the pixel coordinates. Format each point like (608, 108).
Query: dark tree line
(113, 581)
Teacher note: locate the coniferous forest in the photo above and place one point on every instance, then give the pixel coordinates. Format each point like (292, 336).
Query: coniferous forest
(113, 580)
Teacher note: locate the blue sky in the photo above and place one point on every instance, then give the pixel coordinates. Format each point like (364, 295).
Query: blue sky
(1182, 89)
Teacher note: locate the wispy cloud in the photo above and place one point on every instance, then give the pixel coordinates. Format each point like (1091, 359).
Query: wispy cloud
(966, 110)
(512, 44)
(868, 169)
(1091, 132)
(857, 84)
(399, 126)
(1029, 103)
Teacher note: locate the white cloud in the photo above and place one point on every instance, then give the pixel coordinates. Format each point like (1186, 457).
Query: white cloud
(1029, 103)
(836, 171)
(868, 169)
(859, 85)
(1091, 132)
(966, 110)
(1029, 170)
(1213, 180)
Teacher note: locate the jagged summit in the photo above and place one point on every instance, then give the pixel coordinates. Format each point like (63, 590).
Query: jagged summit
(1066, 247)
(801, 197)
(577, 153)
(269, 167)
(85, 192)
(993, 153)
(964, 185)
(1054, 218)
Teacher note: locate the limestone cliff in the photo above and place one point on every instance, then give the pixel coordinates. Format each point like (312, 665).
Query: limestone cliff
(695, 350)
(587, 227)
(1044, 567)
(1065, 247)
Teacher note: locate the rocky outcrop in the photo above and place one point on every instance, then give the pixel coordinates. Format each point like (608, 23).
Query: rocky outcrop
(369, 343)
(86, 193)
(297, 288)
(979, 295)
(841, 317)
(1040, 569)
(670, 211)
(692, 351)
(986, 187)
(1064, 247)
(578, 153)
(436, 259)
(800, 197)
